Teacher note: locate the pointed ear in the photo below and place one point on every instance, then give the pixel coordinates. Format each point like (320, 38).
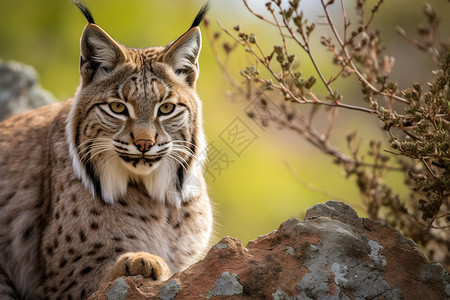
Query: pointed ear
(182, 55)
(100, 54)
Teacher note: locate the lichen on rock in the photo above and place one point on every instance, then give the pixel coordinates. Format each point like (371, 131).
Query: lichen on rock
(332, 254)
(169, 290)
(226, 285)
(118, 290)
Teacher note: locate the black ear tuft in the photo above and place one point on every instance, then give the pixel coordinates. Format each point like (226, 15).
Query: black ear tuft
(85, 10)
(201, 15)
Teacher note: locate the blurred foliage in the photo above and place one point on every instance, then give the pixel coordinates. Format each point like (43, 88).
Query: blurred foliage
(416, 120)
(256, 180)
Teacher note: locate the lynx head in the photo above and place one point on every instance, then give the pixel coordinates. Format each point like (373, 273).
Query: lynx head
(136, 118)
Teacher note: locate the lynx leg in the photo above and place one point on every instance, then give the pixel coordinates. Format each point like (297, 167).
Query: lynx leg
(139, 263)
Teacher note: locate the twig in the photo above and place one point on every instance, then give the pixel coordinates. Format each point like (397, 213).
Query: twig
(350, 61)
(221, 65)
(428, 168)
(316, 189)
(255, 14)
(306, 48)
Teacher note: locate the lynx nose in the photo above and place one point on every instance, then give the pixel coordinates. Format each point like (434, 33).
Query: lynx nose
(143, 145)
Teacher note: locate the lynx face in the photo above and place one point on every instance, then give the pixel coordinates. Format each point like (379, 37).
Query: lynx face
(137, 118)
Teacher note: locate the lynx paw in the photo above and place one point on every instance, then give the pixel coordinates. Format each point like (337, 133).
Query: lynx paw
(139, 263)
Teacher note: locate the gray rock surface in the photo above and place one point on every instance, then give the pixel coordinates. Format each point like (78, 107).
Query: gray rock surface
(20, 89)
(331, 255)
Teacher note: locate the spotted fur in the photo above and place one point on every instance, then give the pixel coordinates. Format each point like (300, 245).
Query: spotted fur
(110, 182)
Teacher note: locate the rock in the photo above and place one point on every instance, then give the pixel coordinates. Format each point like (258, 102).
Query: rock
(20, 89)
(332, 254)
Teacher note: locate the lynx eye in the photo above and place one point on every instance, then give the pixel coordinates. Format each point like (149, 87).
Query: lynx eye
(166, 108)
(118, 108)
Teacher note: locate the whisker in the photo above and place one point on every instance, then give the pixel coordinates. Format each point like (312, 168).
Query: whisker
(184, 147)
(176, 159)
(184, 142)
(169, 162)
(95, 139)
(96, 148)
(94, 151)
(184, 151)
(107, 158)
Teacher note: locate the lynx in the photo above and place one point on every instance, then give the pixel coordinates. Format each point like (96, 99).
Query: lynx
(108, 183)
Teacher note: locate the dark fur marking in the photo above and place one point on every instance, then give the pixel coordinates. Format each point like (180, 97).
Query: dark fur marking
(101, 259)
(71, 251)
(28, 232)
(94, 225)
(62, 263)
(180, 178)
(121, 142)
(49, 250)
(86, 270)
(193, 150)
(83, 294)
(59, 229)
(68, 238)
(117, 239)
(77, 258)
(123, 203)
(75, 213)
(121, 148)
(95, 212)
(82, 236)
(177, 225)
(143, 218)
(94, 177)
(86, 129)
(91, 171)
(98, 245)
(178, 114)
(8, 198)
(119, 250)
(71, 285)
(92, 252)
(131, 236)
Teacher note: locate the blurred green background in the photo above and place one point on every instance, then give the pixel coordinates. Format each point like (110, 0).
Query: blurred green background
(264, 183)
